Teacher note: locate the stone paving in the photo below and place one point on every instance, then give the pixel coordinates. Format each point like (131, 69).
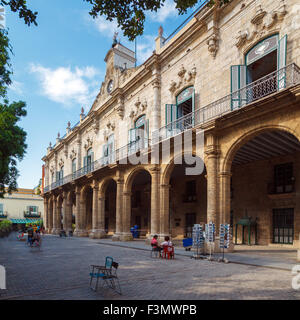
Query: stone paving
(60, 271)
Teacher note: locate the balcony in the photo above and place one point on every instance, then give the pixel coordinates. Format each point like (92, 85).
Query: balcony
(284, 78)
(276, 81)
(28, 214)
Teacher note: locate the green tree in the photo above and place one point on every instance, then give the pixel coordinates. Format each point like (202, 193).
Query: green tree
(130, 14)
(20, 7)
(12, 144)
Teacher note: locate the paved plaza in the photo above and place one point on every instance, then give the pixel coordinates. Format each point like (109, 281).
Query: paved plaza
(60, 270)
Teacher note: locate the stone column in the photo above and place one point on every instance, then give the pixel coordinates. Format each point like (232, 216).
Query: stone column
(55, 229)
(79, 232)
(69, 206)
(212, 187)
(164, 210)
(50, 216)
(155, 203)
(64, 210)
(126, 236)
(45, 216)
(225, 205)
(98, 218)
(119, 210)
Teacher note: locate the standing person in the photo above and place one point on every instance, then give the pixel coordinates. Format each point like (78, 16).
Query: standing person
(30, 235)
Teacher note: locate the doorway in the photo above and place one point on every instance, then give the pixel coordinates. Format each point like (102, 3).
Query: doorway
(190, 220)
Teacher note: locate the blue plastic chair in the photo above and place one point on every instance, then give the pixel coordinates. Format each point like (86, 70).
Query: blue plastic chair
(107, 273)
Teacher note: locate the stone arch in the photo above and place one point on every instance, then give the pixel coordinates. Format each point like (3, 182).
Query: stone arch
(258, 40)
(103, 184)
(130, 177)
(244, 138)
(167, 171)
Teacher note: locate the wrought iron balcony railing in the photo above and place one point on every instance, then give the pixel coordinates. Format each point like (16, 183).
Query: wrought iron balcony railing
(286, 77)
(118, 155)
(32, 214)
(271, 83)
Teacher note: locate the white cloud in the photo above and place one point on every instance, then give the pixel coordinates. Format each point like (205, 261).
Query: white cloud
(166, 11)
(65, 85)
(105, 27)
(145, 47)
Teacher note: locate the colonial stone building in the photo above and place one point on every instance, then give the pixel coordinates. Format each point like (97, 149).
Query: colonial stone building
(231, 75)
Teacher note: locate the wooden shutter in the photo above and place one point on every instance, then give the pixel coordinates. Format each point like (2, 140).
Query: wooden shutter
(281, 62)
(238, 76)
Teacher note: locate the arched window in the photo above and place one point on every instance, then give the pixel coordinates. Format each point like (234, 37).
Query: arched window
(61, 174)
(138, 136)
(268, 57)
(88, 161)
(73, 168)
(185, 104)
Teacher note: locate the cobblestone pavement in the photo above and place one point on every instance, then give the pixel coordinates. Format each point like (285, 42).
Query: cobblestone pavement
(60, 270)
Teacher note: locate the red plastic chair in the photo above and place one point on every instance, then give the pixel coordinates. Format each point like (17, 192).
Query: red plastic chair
(168, 252)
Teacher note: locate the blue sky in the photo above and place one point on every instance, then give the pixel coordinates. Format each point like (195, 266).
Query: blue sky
(59, 66)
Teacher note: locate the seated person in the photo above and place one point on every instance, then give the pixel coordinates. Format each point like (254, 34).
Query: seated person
(167, 242)
(154, 244)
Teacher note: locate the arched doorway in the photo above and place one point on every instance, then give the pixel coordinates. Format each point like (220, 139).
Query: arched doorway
(187, 198)
(265, 176)
(110, 207)
(140, 214)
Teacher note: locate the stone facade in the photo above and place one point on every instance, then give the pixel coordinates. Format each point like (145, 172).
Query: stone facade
(108, 197)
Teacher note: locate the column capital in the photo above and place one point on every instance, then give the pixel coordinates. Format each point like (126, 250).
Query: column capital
(212, 152)
(154, 170)
(155, 83)
(119, 181)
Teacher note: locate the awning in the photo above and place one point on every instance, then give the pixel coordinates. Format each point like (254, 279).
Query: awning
(24, 221)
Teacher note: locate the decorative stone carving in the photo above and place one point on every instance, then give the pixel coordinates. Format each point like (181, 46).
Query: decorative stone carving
(212, 43)
(88, 144)
(52, 168)
(120, 107)
(184, 78)
(66, 150)
(61, 163)
(95, 125)
(73, 154)
(262, 24)
(259, 15)
(140, 108)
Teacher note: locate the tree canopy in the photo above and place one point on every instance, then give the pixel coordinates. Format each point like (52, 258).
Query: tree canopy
(130, 14)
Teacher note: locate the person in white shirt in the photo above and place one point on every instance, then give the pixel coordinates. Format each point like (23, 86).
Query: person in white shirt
(167, 242)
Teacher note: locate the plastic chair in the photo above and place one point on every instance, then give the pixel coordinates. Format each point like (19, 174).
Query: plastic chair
(107, 273)
(168, 252)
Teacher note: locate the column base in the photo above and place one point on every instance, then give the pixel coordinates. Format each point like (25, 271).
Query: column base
(97, 234)
(126, 236)
(80, 233)
(216, 247)
(116, 237)
(55, 231)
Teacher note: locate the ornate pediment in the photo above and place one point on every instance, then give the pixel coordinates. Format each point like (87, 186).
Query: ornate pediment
(139, 108)
(184, 78)
(110, 128)
(262, 24)
(120, 107)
